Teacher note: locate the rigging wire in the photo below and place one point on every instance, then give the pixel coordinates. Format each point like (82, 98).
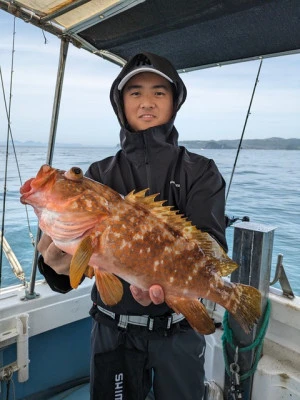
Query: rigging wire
(7, 145)
(244, 128)
(3, 203)
(10, 136)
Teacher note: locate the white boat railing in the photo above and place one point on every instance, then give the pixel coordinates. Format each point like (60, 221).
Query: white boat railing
(15, 329)
(281, 277)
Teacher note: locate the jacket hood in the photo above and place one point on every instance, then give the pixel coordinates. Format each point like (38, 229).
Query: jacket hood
(151, 62)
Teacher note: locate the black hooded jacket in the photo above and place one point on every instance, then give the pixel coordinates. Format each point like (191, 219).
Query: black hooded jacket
(152, 159)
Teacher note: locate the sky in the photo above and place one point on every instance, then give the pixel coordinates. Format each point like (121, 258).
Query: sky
(215, 109)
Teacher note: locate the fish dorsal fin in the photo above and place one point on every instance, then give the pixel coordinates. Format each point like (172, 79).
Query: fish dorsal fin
(165, 213)
(209, 246)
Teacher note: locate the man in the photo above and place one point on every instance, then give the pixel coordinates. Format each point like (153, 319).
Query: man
(141, 337)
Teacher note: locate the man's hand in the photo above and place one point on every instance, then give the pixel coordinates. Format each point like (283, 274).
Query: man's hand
(53, 256)
(145, 297)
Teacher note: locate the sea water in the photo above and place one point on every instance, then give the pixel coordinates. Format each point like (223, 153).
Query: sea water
(265, 187)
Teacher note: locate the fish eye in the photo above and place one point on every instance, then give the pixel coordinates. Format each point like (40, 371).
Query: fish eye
(75, 173)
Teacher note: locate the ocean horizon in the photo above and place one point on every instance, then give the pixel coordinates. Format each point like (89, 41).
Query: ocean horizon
(271, 143)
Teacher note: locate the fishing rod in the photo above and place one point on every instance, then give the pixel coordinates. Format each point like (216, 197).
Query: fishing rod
(244, 128)
(7, 143)
(16, 267)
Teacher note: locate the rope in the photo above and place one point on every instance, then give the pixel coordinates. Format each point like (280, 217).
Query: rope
(244, 128)
(227, 337)
(8, 378)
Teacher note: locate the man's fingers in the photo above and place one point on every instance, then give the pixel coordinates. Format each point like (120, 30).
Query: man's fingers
(141, 296)
(145, 297)
(53, 256)
(44, 243)
(156, 294)
(54, 252)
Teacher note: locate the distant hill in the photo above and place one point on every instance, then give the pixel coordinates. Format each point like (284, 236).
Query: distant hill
(273, 143)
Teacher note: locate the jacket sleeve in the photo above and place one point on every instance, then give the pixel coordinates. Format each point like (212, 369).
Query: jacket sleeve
(58, 283)
(205, 205)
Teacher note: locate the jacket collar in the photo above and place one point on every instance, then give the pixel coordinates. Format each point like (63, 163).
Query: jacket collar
(139, 146)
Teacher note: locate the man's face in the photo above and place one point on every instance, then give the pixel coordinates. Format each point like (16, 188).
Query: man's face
(148, 101)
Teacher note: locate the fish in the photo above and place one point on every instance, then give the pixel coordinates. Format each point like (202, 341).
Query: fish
(141, 240)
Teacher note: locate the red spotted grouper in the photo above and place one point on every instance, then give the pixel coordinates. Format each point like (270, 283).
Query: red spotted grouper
(140, 240)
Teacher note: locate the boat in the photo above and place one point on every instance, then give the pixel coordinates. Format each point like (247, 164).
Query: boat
(44, 335)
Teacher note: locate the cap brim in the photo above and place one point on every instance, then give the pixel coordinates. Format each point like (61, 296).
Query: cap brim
(138, 71)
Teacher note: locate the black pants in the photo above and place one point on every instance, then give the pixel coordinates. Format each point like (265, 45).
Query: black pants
(124, 366)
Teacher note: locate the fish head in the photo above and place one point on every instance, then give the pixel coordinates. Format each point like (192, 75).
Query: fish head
(34, 191)
(52, 186)
(55, 185)
(55, 191)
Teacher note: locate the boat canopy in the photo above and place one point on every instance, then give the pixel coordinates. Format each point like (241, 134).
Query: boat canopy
(193, 34)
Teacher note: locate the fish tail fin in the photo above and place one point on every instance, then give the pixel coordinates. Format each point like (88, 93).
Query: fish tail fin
(247, 307)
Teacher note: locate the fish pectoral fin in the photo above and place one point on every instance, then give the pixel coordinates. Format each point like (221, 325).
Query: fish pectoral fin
(80, 260)
(109, 287)
(89, 272)
(194, 311)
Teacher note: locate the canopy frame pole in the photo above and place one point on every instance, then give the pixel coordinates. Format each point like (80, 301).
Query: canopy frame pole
(64, 46)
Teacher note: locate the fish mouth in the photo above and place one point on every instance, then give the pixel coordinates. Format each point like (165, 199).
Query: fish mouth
(32, 184)
(25, 190)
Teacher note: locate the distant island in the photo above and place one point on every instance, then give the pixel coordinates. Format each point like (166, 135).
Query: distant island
(32, 143)
(273, 143)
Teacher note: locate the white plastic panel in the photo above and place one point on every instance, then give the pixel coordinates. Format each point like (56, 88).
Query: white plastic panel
(276, 380)
(214, 361)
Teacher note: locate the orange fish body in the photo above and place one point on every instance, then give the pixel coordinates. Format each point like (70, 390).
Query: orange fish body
(139, 240)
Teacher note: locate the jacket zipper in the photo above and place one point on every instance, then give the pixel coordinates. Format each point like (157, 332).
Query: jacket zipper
(148, 175)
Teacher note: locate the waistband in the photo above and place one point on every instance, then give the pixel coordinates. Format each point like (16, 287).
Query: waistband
(151, 323)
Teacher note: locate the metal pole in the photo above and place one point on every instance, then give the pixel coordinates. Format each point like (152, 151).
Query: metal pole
(57, 98)
(64, 10)
(54, 121)
(252, 250)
